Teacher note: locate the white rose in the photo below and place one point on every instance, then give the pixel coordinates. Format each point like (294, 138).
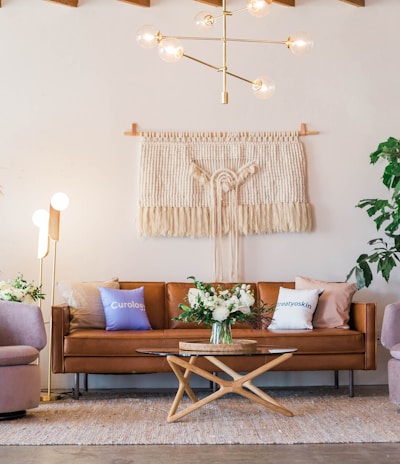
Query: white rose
(193, 295)
(19, 294)
(233, 303)
(244, 309)
(4, 295)
(211, 302)
(246, 299)
(220, 313)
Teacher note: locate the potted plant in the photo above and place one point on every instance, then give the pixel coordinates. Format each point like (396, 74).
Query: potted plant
(385, 212)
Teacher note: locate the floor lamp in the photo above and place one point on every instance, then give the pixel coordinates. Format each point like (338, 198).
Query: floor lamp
(59, 202)
(41, 220)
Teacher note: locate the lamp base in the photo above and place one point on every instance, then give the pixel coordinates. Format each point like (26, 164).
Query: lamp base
(45, 397)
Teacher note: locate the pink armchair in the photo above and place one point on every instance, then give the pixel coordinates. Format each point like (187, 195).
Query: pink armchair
(391, 340)
(22, 336)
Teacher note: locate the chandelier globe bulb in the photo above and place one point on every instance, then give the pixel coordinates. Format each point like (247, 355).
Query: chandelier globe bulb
(204, 21)
(263, 87)
(258, 8)
(170, 50)
(300, 43)
(147, 36)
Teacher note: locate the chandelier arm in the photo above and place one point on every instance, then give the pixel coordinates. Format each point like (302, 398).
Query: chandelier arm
(217, 68)
(190, 38)
(275, 42)
(228, 39)
(239, 77)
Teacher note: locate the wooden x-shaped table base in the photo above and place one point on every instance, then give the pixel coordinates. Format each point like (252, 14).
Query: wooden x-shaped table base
(240, 384)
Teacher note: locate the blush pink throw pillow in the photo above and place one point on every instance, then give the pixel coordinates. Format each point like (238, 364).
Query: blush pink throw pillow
(333, 309)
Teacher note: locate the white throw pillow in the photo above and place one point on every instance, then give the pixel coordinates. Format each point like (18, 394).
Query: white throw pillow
(295, 309)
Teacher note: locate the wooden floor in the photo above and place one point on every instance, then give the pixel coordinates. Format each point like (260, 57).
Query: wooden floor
(376, 453)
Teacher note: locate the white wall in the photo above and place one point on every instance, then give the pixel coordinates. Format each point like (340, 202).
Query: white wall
(72, 81)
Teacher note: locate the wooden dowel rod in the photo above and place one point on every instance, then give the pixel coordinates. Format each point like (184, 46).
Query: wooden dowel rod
(135, 133)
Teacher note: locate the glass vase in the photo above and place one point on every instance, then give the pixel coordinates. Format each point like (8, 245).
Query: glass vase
(221, 332)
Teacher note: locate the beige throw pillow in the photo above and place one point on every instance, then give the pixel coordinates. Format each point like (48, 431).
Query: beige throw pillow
(84, 299)
(333, 309)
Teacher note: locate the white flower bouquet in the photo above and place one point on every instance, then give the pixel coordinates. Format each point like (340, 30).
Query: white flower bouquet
(20, 290)
(208, 305)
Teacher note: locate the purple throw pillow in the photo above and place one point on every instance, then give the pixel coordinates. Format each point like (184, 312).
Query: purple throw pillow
(124, 309)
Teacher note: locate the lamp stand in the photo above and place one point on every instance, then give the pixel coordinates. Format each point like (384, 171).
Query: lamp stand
(49, 396)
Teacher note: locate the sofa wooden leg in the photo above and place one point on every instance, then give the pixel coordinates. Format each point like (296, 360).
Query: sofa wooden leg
(351, 383)
(336, 379)
(76, 387)
(86, 378)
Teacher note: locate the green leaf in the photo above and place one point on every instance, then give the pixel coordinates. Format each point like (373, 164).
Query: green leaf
(365, 272)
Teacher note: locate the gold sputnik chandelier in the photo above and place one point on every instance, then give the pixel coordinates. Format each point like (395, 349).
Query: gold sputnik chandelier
(171, 50)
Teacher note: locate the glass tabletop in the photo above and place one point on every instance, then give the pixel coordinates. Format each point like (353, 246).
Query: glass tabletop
(260, 350)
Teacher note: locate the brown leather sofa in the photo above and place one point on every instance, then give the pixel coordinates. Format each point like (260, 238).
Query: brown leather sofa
(96, 351)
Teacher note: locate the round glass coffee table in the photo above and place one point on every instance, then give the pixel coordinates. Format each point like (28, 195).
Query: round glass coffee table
(183, 364)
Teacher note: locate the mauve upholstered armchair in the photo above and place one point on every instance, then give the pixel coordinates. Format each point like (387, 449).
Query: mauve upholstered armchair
(22, 336)
(390, 339)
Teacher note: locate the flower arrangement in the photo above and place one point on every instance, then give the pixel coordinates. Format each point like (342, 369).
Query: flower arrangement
(20, 290)
(220, 308)
(208, 305)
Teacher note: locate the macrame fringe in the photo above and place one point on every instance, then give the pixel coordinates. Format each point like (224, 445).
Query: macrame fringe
(252, 219)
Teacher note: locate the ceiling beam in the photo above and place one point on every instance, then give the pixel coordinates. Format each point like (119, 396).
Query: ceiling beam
(286, 2)
(145, 3)
(219, 2)
(66, 2)
(211, 2)
(355, 2)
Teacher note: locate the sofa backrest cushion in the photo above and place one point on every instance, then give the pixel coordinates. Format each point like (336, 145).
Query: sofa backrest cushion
(176, 293)
(154, 299)
(268, 291)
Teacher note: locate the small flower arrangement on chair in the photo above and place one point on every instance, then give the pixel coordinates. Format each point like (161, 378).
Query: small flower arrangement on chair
(20, 290)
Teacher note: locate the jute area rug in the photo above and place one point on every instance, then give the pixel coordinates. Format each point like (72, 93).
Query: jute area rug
(322, 415)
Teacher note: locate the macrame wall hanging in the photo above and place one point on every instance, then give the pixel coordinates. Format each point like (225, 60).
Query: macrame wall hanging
(212, 185)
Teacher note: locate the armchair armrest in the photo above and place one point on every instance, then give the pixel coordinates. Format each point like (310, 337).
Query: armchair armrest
(391, 326)
(363, 319)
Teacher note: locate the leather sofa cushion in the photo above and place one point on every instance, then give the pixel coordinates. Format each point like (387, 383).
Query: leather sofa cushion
(268, 291)
(154, 297)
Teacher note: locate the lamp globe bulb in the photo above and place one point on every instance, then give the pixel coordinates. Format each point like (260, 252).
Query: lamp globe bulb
(204, 21)
(170, 50)
(147, 36)
(59, 201)
(300, 43)
(40, 217)
(258, 8)
(263, 87)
